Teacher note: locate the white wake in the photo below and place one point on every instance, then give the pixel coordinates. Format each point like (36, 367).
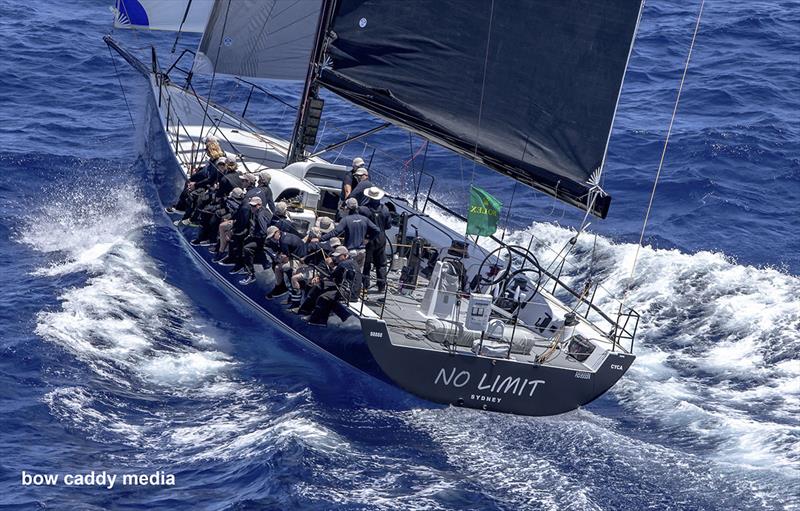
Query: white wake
(143, 336)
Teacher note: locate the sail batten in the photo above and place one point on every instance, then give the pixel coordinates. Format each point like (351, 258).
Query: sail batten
(531, 94)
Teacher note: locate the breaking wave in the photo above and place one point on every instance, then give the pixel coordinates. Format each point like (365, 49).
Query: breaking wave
(145, 342)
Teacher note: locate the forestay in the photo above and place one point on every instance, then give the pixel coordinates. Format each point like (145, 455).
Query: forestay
(528, 88)
(162, 15)
(259, 38)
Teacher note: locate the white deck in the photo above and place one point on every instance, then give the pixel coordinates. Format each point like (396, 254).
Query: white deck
(188, 121)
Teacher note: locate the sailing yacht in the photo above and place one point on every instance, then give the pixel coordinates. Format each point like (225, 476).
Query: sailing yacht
(527, 89)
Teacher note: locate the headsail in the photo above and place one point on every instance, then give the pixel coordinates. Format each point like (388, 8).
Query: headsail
(259, 38)
(528, 88)
(161, 15)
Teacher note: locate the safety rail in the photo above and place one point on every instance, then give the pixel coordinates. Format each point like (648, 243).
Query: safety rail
(626, 331)
(622, 329)
(427, 195)
(191, 163)
(416, 324)
(163, 79)
(175, 64)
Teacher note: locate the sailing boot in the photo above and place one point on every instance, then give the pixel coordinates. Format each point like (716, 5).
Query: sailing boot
(278, 290)
(228, 261)
(318, 317)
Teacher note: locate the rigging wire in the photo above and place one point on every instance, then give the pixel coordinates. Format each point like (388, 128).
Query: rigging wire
(600, 177)
(555, 200)
(116, 72)
(508, 213)
(597, 178)
(180, 28)
(214, 72)
(664, 149)
(483, 82)
(480, 110)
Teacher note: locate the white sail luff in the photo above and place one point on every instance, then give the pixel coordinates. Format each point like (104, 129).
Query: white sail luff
(259, 38)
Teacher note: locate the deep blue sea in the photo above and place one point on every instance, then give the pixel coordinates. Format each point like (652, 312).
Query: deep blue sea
(119, 354)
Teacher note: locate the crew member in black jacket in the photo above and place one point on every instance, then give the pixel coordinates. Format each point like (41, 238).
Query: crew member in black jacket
(281, 221)
(230, 180)
(362, 176)
(349, 181)
(200, 186)
(260, 219)
(285, 249)
(262, 190)
(344, 284)
(376, 247)
(357, 230)
(239, 228)
(213, 152)
(215, 214)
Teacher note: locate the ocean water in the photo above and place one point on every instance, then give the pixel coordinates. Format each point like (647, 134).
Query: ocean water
(118, 354)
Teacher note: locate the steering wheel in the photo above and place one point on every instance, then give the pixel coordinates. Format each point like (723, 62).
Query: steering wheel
(499, 276)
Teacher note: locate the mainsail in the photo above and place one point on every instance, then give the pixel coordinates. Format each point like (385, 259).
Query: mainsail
(528, 88)
(160, 15)
(259, 38)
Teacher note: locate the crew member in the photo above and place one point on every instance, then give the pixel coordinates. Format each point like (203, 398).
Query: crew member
(349, 180)
(376, 247)
(362, 176)
(357, 230)
(262, 189)
(239, 229)
(286, 250)
(213, 152)
(281, 221)
(343, 285)
(254, 242)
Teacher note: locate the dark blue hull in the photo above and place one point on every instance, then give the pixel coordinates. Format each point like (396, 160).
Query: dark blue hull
(345, 342)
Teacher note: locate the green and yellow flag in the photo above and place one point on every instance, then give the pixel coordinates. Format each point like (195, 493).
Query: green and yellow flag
(484, 210)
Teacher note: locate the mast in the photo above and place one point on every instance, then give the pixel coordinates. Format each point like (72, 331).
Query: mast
(310, 108)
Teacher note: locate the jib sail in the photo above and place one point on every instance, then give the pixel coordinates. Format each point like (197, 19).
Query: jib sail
(259, 38)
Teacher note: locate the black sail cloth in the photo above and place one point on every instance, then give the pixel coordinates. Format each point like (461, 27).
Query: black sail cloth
(528, 88)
